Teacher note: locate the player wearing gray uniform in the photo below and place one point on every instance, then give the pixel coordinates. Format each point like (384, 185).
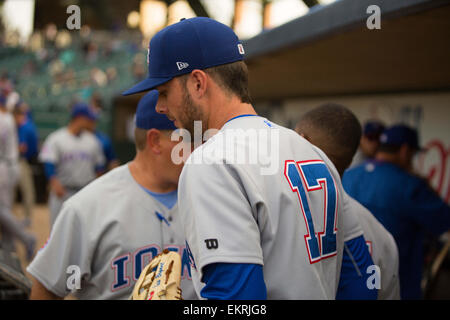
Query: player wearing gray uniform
(10, 227)
(383, 249)
(260, 204)
(72, 157)
(114, 226)
(339, 140)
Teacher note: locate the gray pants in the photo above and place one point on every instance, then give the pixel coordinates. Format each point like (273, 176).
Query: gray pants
(55, 203)
(10, 227)
(26, 186)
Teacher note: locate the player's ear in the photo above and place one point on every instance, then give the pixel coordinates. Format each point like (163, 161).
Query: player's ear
(198, 82)
(154, 141)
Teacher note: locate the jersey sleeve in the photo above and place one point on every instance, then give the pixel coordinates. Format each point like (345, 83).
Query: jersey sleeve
(350, 222)
(234, 281)
(65, 253)
(391, 285)
(219, 224)
(49, 151)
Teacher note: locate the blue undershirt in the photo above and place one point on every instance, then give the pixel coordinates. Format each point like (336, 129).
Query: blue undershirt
(353, 281)
(240, 281)
(168, 199)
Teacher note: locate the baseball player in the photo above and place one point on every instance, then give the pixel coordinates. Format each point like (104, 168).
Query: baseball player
(261, 217)
(112, 228)
(10, 227)
(72, 158)
(339, 140)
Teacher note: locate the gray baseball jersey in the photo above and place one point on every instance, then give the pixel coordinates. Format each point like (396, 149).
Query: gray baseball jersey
(9, 171)
(383, 250)
(75, 157)
(109, 230)
(9, 150)
(259, 193)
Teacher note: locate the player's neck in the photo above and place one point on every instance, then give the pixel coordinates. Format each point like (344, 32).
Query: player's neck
(229, 110)
(146, 175)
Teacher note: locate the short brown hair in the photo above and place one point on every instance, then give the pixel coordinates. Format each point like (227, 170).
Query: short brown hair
(232, 77)
(140, 138)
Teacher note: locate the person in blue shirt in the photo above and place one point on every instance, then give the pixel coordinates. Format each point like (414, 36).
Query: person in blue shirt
(404, 203)
(28, 150)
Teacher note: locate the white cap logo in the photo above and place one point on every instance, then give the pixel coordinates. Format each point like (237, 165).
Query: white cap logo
(241, 48)
(182, 65)
(383, 138)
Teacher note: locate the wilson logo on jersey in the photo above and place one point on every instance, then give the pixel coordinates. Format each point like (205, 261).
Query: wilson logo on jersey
(212, 243)
(305, 177)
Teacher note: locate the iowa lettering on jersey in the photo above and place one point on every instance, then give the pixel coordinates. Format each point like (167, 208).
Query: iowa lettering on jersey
(138, 260)
(72, 156)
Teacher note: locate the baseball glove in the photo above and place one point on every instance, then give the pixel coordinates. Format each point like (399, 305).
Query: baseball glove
(160, 279)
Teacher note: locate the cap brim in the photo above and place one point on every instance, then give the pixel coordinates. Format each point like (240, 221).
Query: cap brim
(145, 85)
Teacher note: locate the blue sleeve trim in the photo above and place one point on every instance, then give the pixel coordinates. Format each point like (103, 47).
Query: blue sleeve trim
(49, 169)
(354, 275)
(233, 281)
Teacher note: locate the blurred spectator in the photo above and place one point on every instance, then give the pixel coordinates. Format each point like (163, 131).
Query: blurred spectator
(401, 201)
(98, 77)
(369, 142)
(50, 35)
(28, 151)
(111, 73)
(91, 52)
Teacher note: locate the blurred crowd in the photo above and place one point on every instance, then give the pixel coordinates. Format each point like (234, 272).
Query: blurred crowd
(57, 66)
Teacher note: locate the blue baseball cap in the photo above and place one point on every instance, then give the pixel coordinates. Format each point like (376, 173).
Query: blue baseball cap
(196, 43)
(146, 116)
(82, 109)
(373, 129)
(400, 134)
